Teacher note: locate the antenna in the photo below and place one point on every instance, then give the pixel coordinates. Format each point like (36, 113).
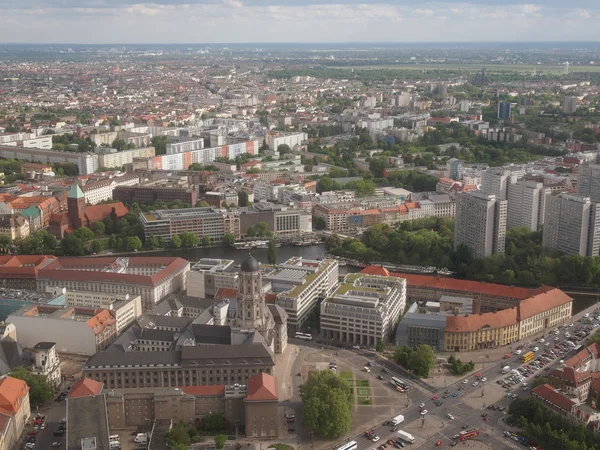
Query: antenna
(567, 68)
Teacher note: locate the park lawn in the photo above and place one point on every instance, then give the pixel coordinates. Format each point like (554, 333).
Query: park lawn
(362, 383)
(364, 400)
(347, 375)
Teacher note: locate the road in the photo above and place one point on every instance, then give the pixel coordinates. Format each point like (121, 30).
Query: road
(466, 408)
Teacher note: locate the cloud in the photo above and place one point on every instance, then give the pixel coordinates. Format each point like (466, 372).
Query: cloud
(205, 21)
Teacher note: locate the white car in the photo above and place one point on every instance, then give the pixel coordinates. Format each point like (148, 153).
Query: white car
(375, 438)
(535, 349)
(421, 405)
(484, 379)
(586, 315)
(465, 381)
(356, 347)
(423, 412)
(450, 416)
(518, 352)
(542, 340)
(475, 383)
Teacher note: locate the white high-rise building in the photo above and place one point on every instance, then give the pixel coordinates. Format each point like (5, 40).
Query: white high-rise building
(572, 225)
(526, 200)
(494, 182)
(569, 104)
(588, 182)
(480, 223)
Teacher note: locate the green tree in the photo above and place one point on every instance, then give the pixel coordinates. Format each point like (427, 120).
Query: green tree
(206, 240)
(213, 423)
(99, 228)
(133, 243)
(242, 198)
(319, 223)
(152, 242)
(189, 239)
(202, 204)
(422, 360)
(97, 247)
(5, 241)
(272, 252)
(72, 245)
(262, 229)
(40, 391)
(84, 233)
(109, 225)
(380, 347)
(251, 232)
(327, 402)
(119, 144)
(283, 149)
(220, 440)
(176, 242)
(228, 239)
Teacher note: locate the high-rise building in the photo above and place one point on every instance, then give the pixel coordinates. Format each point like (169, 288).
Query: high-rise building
(480, 223)
(494, 182)
(569, 104)
(526, 201)
(588, 182)
(504, 110)
(455, 168)
(572, 225)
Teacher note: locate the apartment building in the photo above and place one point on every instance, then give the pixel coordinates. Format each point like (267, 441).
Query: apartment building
(363, 310)
(183, 145)
(588, 181)
(494, 181)
(275, 139)
(210, 222)
(16, 226)
(98, 191)
(86, 162)
(572, 225)
(480, 223)
(125, 308)
(14, 410)
(81, 331)
(312, 280)
(118, 159)
(526, 202)
(151, 192)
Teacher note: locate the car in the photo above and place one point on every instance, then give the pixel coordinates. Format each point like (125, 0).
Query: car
(438, 443)
(446, 395)
(490, 407)
(465, 381)
(465, 427)
(399, 444)
(421, 405)
(455, 394)
(475, 383)
(290, 420)
(535, 349)
(399, 389)
(423, 412)
(517, 352)
(32, 433)
(391, 442)
(59, 433)
(370, 364)
(379, 377)
(484, 415)
(483, 380)
(375, 438)
(542, 340)
(43, 426)
(477, 375)
(450, 416)
(486, 419)
(291, 430)
(356, 347)
(501, 408)
(434, 398)
(56, 444)
(453, 443)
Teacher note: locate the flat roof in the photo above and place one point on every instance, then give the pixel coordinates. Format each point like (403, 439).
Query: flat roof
(86, 418)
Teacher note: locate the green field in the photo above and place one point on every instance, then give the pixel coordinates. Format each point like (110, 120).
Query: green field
(347, 376)
(362, 383)
(490, 68)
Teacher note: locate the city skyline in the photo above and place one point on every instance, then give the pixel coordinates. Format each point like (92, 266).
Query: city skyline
(236, 21)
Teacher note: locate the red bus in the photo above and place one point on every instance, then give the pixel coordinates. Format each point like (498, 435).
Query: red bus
(469, 434)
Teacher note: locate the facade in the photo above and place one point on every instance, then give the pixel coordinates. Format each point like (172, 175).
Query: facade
(418, 329)
(47, 363)
(262, 407)
(125, 308)
(504, 110)
(22, 271)
(146, 194)
(211, 222)
(183, 145)
(313, 280)
(494, 181)
(152, 278)
(274, 140)
(119, 159)
(14, 410)
(480, 224)
(572, 225)
(81, 331)
(86, 162)
(455, 169)
(209, 275)
(16, 226)
(588, 182)
(363, 310)
(526, 202)
(98, 191)
(569, 104)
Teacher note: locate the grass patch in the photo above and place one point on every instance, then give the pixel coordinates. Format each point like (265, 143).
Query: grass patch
(364, 400)
(364, 392)
(362, 383)
(281, 446)
(346, 375)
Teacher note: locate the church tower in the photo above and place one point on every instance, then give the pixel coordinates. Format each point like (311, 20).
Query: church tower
(251, 310)
(76, 206)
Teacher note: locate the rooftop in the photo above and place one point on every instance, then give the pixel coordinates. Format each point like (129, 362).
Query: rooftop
(262, 387)
(86, 418)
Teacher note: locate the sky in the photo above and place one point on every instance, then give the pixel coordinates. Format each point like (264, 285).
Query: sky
(239, 21)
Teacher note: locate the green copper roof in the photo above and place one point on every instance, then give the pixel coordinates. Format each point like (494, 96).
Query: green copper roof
(75, 192)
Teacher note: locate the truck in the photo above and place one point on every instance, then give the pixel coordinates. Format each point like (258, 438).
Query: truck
(506, 369)
(404, 436)
(397, 420)
(141, 438)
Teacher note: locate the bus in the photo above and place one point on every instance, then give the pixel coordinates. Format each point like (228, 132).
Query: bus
(304, 336)
(400, 383)
(469, 434)
(527, 357)
(349, 446)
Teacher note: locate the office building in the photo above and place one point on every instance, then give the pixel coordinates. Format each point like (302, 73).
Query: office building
(117, 160)
(98, 191)
(80, 331)
(293, 140)
(209, 275)
(363, 310)
(588, 181)
(504, 110)
(455, 168)
(299, 283)
(569, 104)
(210, 222)
(494, 181)
(480, 224)
(572, 225)
(526, 201)
(149, 193)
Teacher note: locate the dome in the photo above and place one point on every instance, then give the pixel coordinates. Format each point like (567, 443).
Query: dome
(250, 264)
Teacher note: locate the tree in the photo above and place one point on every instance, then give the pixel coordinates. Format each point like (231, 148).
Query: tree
(5, 241)
(84, 233)
(40, 391)
(228, 239)
(262, 229)
(99, 228)
(242, 198)
(380, 347)
(181, 436)
(119, 144)
(152, 242)
(213, 422)
(319, 223)
(189, 239)
(327, 402)
(272, 252)
(419, 360)
(72, 245)
(220, 440)
(202, 204)
(176, 242)
(283, 149)
(206, 240)
(251, 232)
(97, 247)
(109, 225)
(133, 243)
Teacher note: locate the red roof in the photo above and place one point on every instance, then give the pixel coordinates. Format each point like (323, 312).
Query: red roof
(98, 213)
(85, 387)
(223, 293)
(12, 393)
(548, 393)
(498, 319)
(542, 301)
(262, 387)
(204, 391)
